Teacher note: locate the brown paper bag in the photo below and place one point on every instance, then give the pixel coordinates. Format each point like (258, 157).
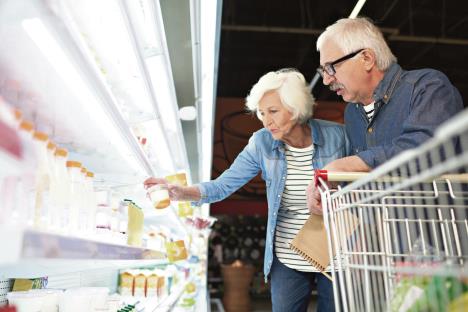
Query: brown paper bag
(311, 242)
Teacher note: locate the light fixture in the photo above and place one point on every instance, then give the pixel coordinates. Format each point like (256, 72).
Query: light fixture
(357, 8)
(188, 113)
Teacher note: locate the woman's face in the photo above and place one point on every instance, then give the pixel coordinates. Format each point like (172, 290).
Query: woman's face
(275, 117)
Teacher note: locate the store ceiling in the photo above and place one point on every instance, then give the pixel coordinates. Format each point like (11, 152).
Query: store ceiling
(263, 35)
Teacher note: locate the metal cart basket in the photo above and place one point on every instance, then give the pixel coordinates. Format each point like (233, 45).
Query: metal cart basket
(408, 247)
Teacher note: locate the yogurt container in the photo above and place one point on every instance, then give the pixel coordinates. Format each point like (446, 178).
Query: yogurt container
(159, 195)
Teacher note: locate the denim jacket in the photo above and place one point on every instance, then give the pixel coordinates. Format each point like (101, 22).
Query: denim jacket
(265, 154)
(409, 105)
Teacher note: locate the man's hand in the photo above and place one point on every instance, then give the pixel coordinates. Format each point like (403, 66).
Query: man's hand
(314, 202)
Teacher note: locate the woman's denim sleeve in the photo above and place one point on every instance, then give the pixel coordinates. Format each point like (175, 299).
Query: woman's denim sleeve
(244, 168)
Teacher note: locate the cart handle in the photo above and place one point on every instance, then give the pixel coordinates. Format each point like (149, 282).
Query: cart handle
(353, 176)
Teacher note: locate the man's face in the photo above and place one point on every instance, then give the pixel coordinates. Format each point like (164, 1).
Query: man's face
(349, 78)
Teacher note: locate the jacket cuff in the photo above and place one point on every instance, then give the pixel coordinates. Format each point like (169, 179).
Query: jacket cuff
(203, 196)
(373, 157)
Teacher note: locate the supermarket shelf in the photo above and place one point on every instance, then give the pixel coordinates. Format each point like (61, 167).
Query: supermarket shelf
(33, 244)
(58, 268)
(38, 44)
(45, 245)
(152, 305)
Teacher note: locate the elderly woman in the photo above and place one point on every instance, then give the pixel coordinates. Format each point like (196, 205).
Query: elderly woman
(286, 151)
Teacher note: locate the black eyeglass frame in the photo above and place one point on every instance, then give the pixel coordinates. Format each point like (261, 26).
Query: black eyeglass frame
(329, 67)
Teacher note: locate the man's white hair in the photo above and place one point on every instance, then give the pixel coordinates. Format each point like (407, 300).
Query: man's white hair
(292, 90)
(352, 34)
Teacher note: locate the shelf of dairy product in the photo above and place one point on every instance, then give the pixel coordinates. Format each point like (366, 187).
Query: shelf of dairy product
(167, 303)
(154, 288)
(47, 74)
(51, 210)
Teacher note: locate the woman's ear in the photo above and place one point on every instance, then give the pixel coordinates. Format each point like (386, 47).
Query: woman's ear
(368, 57)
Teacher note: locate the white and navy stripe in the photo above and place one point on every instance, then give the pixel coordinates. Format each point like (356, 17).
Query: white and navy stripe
(369, 109)
(293, 211)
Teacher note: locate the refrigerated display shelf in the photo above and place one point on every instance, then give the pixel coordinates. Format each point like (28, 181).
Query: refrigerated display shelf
(35, 244)
(166, 304)
(46, 245)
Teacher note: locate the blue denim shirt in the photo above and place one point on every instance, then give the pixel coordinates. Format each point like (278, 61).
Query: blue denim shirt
(409, 105)
(265, 154)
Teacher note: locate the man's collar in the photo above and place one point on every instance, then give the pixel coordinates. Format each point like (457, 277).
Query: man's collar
(385, 88)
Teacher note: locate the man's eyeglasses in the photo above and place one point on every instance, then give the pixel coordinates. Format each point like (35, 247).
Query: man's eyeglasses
(329, 67)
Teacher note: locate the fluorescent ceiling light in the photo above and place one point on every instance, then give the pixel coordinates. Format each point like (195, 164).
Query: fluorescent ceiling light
(357, 8)
(56, 56)
(188, 113)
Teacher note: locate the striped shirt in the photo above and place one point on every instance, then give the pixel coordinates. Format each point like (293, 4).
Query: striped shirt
(293, 211)
(369, 109)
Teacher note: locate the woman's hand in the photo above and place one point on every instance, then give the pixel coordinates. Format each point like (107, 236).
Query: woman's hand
(314, 201)
(176, 192)
(154, 181)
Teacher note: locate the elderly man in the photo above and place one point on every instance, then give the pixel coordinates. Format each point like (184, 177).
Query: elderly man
(389, 109)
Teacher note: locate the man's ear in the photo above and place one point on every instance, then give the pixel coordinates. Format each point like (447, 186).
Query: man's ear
(368, 57)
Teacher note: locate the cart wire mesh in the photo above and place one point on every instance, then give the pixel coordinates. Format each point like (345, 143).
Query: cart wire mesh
(408, 249)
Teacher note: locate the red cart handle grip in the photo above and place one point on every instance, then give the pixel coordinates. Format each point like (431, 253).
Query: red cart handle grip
(322, 174)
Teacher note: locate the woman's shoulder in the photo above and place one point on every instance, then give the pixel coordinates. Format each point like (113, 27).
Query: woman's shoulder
(327, 124)
(262, 135)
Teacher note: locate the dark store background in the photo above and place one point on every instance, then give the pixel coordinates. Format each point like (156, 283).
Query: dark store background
(263, 35)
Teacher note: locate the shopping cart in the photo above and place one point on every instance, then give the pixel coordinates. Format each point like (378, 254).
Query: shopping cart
(399, 235)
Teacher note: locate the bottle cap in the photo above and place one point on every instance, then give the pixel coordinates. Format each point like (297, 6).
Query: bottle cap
(61, 152)
(26, 125)
(41, 136)
(51, 146)
(72, 163)
(18, 114)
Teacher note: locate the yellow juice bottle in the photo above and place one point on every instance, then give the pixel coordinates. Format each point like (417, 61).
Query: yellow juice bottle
(135, 225)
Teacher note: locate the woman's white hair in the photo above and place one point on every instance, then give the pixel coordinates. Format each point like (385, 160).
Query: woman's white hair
(292, 90)
(352, 34)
